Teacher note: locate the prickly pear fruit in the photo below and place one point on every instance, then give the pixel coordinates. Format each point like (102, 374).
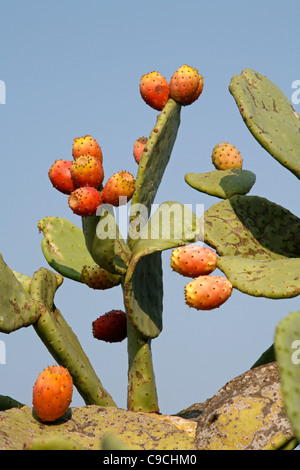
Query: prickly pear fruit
(186, 85)
(87, 171)
(111, 327)
(98, 278)
(193, 260)
(138, 148)
(154, 89)
(207, 292)
(85, 201)
(60, 176)
(225, 156)
(52, 393)
(86, 145)
(119, 185)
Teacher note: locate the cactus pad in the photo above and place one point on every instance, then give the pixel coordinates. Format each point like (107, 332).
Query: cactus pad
(64, 247)
(17, 308)
(252, 227)
(287, 350)
(63, 344)
(156, 155)
(269, 116)
(222, 183)
(104, 241)
(274, 279)
(171, 225)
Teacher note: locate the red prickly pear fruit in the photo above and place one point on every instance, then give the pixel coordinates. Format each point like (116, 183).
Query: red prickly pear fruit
(98, 278)
(154, 89)
(52, 393)
(60, 176)
(226, 156)
(186, 85)
(193, 260)
(119, 185)
(85, 201)
(207, 292)
(138, 148)
(86, 145)
(111, 327)
(87, 171)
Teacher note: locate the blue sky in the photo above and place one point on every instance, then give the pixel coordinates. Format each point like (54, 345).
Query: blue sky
(73, 68)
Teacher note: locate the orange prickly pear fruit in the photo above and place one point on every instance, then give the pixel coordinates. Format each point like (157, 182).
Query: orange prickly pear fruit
(60, 176)
(85, 201)
(193, 260)
(52, 393)
(207, 292)
(86, 145)
(154, 89)
(226, 156)
(138, 148)
(121, 184)
(186, 85)
(87, 171)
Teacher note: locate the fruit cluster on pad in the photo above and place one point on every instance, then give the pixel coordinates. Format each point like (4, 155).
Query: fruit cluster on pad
(82, 179)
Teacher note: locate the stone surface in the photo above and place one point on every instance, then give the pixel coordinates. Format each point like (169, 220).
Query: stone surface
(246, 414)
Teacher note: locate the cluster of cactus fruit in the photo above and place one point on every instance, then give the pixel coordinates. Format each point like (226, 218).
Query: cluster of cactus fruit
(253, 241)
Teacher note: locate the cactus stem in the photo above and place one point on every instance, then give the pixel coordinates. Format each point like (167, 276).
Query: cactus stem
(142, 395)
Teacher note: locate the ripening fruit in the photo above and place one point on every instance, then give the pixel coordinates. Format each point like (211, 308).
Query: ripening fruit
(186, 85)
(111, 327)
(138, 148)
(193, 260)
(154, 89)
(85, 201)
(60, 176)
(86, 145)
(98, 278)
(119, 185)
(207, 292)
(226, 156)
(52, 393)
(87, 171)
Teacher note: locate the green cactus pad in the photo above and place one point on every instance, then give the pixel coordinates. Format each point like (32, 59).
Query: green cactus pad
(287, 350)
(274, 279)
(222, 183)
(104, 241)
(112, 442)
(156, 155)
(171, 225)
(267, 356)
(53, 443)
(252, 227)
(63, 344)
(269, 116)
(6, 403)
(143, 294)
(23, 279)
(64, 247)
(87, 426)
(17, 308)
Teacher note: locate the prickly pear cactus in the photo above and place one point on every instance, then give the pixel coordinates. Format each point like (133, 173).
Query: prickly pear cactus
(63, 344)
(17, 308)
(287, 352)
(222, 183)
(269, 116)
(258, 243)
(64, 247)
